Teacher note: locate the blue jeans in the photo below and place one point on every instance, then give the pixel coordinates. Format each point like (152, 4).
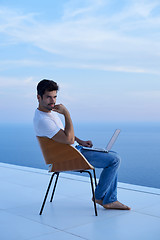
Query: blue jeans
(106, 189)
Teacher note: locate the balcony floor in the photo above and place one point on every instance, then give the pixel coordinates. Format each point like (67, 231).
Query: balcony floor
(71, 214)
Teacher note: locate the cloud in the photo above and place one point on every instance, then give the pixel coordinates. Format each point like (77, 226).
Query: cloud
(144, 8)
(9, 64)
(150, 95)
(10, 81)
(89, 38)
(106, 67)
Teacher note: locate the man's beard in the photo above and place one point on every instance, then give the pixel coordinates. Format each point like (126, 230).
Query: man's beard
(50, 107)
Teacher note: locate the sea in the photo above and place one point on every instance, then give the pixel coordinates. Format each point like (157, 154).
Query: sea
(138, 145)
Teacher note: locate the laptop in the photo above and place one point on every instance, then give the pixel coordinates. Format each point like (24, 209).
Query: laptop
(109, 145)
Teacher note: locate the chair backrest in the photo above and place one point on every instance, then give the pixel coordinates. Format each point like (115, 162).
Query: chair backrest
(63, 157)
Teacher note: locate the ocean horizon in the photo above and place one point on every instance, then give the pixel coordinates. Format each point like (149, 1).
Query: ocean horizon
(137, 144)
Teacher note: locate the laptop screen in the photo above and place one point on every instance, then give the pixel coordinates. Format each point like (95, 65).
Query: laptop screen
(113, 139)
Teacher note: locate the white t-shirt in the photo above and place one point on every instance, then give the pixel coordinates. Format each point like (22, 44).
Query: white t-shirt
(47, 124)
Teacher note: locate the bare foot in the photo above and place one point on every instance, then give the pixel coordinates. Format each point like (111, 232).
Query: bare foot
(116, 205)
(100, 202)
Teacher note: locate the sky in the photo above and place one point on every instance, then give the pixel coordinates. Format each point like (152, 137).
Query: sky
(104, 55)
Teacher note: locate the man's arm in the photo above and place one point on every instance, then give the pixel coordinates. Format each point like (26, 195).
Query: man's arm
(66, 135)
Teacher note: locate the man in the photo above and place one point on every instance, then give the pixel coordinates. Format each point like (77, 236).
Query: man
(48, 124)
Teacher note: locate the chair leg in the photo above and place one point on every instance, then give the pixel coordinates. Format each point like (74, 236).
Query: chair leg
(94, 173)
(49, 185)
(94, 200)
(54, 187)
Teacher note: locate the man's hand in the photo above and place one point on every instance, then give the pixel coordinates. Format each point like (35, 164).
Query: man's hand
(84, 143)
(60, 108)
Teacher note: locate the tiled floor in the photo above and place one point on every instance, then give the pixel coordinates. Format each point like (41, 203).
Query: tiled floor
(71, 215)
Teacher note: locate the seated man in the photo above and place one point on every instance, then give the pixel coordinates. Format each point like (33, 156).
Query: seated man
(48, 124)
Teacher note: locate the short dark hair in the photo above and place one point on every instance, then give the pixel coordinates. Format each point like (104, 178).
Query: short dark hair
(46, 85)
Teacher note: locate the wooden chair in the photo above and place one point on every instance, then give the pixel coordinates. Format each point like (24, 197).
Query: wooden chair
(63, 157)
